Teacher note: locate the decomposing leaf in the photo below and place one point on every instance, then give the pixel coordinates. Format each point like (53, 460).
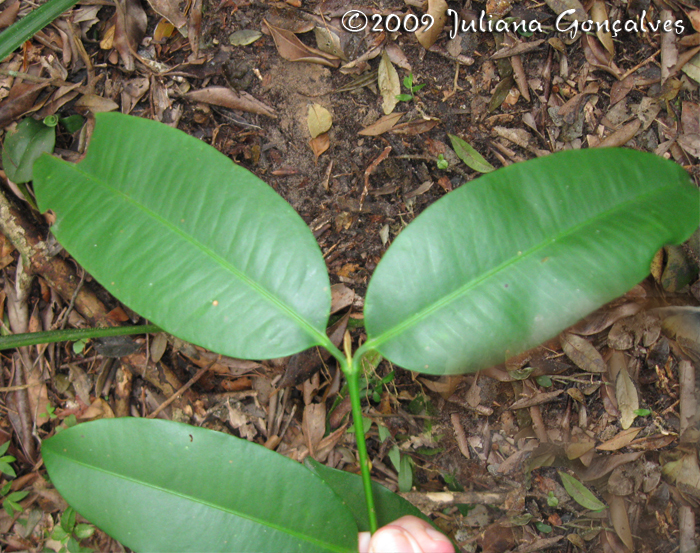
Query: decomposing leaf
(243, 37)
(621, 136)
(9, 14)
(599, 14)
(621, 440)
(96, 104)
(620, 520)
(602, 319)
(329, 42)
(319, 120)
(382, 125)
(684, 471)
(501, 93)
(417, 126)
(314, 425)
(225, 97)
(582, 352)
(470, 156)
(341, 297)
(292, 49)
(627, 398)
(560, 6)
(427, 36)
(129, 30)
(170, 10)
(320, 144)
(580, 493)
(389, 84)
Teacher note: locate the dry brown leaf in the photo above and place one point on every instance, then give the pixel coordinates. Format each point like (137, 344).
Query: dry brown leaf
(600, 320)
(605, 465)
(517, 49)
(292, 49)
(574, 450)
(9, 14)
(627, 398)
(445, 385)
(598, 56)
(538, 399)
(96, 104)
(382, 125)
(417, 126)
(621, 136)
(599, 14)
(438, 10)
(314, 425)
(341, 297)
(225, 97)
(582, 352)
(620, 89)
(621, 523)
(621, 440)
(389, 85)
(319, 120)
(130, 28)
(320, 144)
(560, 6)
(669, 51)
(170, 10)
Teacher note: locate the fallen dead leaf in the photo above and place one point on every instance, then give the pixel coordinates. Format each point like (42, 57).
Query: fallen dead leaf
(170, 10)
(228, 98)
(620, 520)
(621, 440)
(292, 49)
(599, 14)
(627, 398)
(320, 144)
(389, 85)
(437, 9)
(130, 28)
(582, 352)
(319, 120)
(381, 125)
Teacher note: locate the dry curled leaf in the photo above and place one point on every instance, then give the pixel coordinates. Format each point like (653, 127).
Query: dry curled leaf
(438, 10)
(225, 97)
(582, 352)
(599, 14)
(170, 10)
(292, 49)
(129, 30)
(320, 144)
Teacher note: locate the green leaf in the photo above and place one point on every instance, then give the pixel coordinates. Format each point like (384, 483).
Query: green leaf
(68, 520)
(470, 156)
(83, 531)
(4, 447)
(72, 123)
(348, 486)
(404, 97)
(5, 468)
(26, 28)
(405, 474)
(642, 412)
(19, 151)
(580, 493)
(153, 213)
(157, 485)
(507, 261)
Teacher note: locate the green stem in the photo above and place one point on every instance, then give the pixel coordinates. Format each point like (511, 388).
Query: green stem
(34, 338)
(353, 377)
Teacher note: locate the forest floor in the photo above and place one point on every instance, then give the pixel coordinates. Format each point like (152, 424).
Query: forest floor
(257, 80)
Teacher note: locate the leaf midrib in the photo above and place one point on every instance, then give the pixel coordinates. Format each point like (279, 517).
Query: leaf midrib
(220, 508)
(237, 273)
(377, 341)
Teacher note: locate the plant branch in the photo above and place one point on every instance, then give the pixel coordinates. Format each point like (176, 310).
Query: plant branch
(34, 338)
(353, 377)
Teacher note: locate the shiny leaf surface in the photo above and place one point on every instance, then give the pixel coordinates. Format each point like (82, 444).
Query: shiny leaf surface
(188, 239)
(159, 485)
(507, 261)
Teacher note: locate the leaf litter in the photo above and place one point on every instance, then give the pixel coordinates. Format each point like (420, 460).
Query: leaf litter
(575, 407)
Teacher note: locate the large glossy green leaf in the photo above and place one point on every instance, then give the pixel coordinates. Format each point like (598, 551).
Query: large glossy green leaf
(164, 486)
(389, 506)
(188, 239)
(510, 259)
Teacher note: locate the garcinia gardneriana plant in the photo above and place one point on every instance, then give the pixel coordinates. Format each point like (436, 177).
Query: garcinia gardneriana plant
(211, 254)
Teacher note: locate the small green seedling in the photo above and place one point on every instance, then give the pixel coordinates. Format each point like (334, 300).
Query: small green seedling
(412, 89)
(214, 256)
(69, 534)
(442, 163)
(5, 461)
(10, 501)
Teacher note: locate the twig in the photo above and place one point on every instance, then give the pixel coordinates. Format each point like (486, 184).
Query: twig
(182, 390)
(71, 305)
(440, 500)
(372, 166)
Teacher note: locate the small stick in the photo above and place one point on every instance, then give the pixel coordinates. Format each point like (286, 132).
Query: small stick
(372, 166)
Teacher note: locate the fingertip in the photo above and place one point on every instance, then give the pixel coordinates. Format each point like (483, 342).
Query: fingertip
(363, 539)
